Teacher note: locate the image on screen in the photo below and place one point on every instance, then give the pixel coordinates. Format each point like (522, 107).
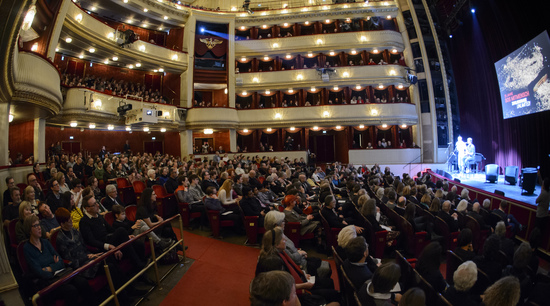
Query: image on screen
(523, 78)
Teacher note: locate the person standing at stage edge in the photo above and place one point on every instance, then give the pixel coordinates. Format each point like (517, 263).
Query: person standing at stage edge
(460, 148)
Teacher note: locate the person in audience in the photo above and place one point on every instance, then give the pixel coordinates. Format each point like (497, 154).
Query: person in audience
(63, 186)
(10, 183)
(38, 193)
(508, 219)
(99, 234)
(195, 190)
(138, 227)
(48, 222)
(307, 224)
(465, 248)
(377, 291)
(112, 197)
(400, 206)
(109, 176)
(488, 261)
(225, 194)
(25, 210)
(519, 269)
(413, 297)
(11, 210)
(476, 215)
(207, 181)
(211, 202)
(312, 265)
(334, 220)
(504, 292)
(251, 206)
(171, 183)
(99, 171)
(428, 266)
(426, 201)
(464, 279)
(543, 203)
(417, 223)
(450, 219)
(151, 180)
(67, 202)
(76, 190)
(44, 263)
(275, 288)
(93, 184)
(274, 242)
(392, 197)
(147, 212)
(355, 265)
(54, 196)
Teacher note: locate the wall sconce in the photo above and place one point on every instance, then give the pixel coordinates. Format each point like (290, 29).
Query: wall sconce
(345, 74)
(255, 80)
(175, 57)
(269, 129)
(315, 128)
(374, 112)
(291, 90)
(162, 130)
(319, 41)
(92, 125)
(384, 125)
(146, 129)
(73, 124)
(244, 93)
(267, 92)
(335, 87)
(245, 131)
(400, 86)
(300, 77)
(292, 128)
(275, 45)
(278, 116)
(392, 72)
(29, 18)
(110, 127)
(338, 127)
(362, 126)
(78, 18)
(142, 48)
(313, 89)
(404, 126)
(363, 38)
(97, 104)
(326, 114)
(358, 87)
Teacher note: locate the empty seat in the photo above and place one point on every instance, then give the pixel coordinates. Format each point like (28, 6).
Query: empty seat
(511, 174)
(491, 173)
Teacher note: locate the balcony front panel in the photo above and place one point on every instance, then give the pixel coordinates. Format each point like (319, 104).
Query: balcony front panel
(330, 115)
(305, 78)
(385, 39)
(37, 89)
(383, 156)
(92, 106)
(86, 32)
(213, 117)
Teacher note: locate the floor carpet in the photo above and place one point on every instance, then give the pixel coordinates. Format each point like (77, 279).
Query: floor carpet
(221, 273)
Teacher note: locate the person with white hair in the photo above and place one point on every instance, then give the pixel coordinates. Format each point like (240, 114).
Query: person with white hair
(465, 194)
(462, 206)
(464, 279)
(344, 237)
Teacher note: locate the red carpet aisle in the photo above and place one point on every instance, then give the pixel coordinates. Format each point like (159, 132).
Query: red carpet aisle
(220, 274)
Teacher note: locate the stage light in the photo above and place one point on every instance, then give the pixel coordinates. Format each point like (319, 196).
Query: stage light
(451, 36)
(202, 30)
(473, 10)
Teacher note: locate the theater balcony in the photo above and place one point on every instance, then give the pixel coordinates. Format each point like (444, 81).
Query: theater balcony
(370, 40)
(328, 115)
(347, 75)
(90, 106)
(81, 33)
(37, 92)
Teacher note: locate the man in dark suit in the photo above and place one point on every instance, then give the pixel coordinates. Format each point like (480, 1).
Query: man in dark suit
(251, 206)
(355, 264)
(412, 197)
(253, 181)
(54, 197)
(112, 197)
(508, 219)
(475, 214)
(171, 183)
(445, 214)
(97, 233)
(400, 208)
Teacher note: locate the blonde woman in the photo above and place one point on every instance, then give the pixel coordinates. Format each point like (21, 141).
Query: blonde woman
(63, 187)
(225, 194)
(29, 196)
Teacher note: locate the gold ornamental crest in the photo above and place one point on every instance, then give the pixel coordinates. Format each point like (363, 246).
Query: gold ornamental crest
(210, 43)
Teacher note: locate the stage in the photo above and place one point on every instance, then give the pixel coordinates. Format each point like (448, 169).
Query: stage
(510, 191)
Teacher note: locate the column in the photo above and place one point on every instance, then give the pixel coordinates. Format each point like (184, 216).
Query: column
(39, 141)
(186, 143)
(232, 140)
(4, 133)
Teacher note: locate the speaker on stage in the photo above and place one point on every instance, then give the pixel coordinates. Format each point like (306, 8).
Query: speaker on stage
(499, 192)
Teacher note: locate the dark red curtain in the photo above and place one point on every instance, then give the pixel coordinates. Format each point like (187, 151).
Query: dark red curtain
(497, 28)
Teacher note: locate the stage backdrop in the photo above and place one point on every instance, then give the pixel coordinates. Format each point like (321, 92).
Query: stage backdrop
(498, 28)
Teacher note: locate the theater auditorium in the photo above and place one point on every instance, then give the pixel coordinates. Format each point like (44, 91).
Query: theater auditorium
(277, 152)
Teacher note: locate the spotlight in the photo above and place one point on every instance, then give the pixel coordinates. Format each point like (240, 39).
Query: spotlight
(473, 11)
(451, 36)
(202, 30)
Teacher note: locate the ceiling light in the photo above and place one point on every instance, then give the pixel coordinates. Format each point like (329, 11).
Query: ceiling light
(115, 58)
(353, 52)
(162, 130)
(208, 131)
(291, 90)
(404, 126)
(125, 1)
(128, 128)
(315, 128)
(74, 124)
(81, 56)
(144, 25)
(93, 8)
(384, 125)
(233, 8)
(362, 126)
(92, 125)
(91, 50)
(146, 129)
(267, 92)
(106, 62)
(138, 64)
(68, 40)
(161, 28)
(358, 87)
(245, 131)
(110, 127)
(155, 70)
(161, 70)
(400, 86)
(165, 17)
(131, 66)
(269, 129)
(145, 10)
(266, 58)
(292, 128)
(129, 21)
(338, 127)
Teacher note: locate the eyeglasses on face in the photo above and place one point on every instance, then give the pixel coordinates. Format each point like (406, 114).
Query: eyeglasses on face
(37, 225)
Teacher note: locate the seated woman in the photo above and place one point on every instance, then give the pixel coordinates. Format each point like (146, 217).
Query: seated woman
(425, 201)
(67, 202)
(370, 212)
(225, 194)
(211, 202)
(312, 265)
(428, 266)
(25, 210)
(465, 249)
(44, 264)
(63, 187)
(274, 243)
(378, 290)
(418, 223)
